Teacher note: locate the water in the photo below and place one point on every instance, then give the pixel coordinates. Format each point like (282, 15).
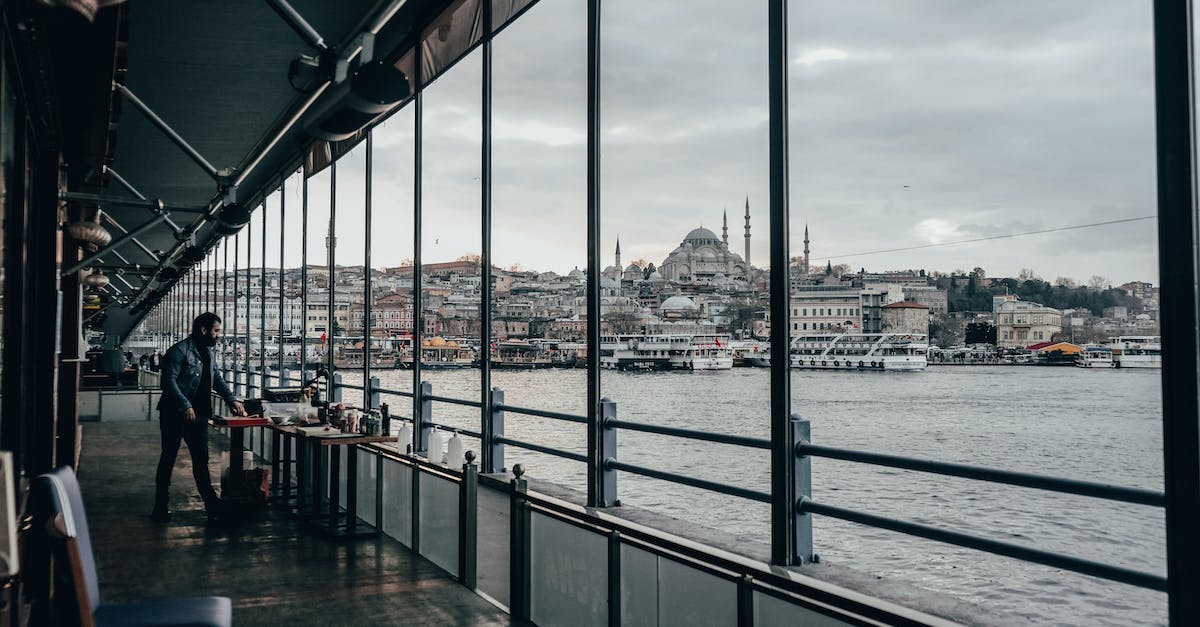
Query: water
(1086, 424)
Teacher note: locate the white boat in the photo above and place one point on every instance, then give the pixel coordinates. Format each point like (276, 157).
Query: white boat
(1095, 357)
(646, 351)
(751, 353)
(1136, 351)
(860, 351)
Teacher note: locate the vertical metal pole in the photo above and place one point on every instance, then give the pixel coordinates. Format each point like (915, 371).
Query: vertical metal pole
(237, 245)
(1177, 238)
(303, 277)
(331, 256)
(614, 579)
(802, 479)
(368, 382)
(418, 298)
(282, 247)
(468, 519)
(372, 396)
(594, 427)
(494, 450)
(518, 542)
(424, 417)
(485, 286)
(262, 307)
(607, 496)
(335, 388)
(249, 320)
(783, 448)
(225, 299)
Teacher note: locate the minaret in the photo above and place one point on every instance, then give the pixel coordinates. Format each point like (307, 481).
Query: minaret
(804, 271)
(620, 268)
(725, 227)
(746, 257)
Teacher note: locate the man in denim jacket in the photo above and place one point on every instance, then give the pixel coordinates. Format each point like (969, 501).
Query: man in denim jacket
(189, 376)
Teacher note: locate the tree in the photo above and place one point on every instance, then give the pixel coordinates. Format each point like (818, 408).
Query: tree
(842, 269)
(407, 262)
(516, 267)
(978, 273)
(640, 263)
(1065, 282)
(980, 332)
(474, 258)
(1027, 274)
(1097, 282)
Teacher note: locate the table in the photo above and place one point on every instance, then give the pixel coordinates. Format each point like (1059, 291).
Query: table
(329, 517)
(237, 438)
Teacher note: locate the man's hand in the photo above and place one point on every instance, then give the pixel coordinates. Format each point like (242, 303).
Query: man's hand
(189, 414)
(237, 408)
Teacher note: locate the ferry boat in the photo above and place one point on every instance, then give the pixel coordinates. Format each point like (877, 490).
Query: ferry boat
(519, 354)
(666, 352)
(1095, 357)
(439, 353)
(860, 351)
(750, 353)
(1136, 351)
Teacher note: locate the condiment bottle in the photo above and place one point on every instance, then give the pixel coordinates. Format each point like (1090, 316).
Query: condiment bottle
(454, 452)
(435, 452)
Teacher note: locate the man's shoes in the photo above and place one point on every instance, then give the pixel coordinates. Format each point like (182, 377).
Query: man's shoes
(160, 514)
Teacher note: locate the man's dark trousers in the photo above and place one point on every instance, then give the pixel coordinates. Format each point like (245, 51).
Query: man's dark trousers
(174, 428)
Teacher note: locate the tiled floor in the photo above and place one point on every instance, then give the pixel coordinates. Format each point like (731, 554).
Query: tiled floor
(276, 572)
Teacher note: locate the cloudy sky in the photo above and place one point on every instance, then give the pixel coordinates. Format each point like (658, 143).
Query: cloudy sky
(912, 123)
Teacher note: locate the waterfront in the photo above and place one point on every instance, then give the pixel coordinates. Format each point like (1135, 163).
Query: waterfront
(1095, 425)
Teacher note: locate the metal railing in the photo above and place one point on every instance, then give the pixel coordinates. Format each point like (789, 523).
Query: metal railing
(804, 452)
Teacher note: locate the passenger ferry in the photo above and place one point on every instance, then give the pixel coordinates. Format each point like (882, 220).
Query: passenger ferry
(666, 352)
(441, 353)
(750, 353)
(1095, 357)
(1136, 351)
(519, 354)
(860, 351)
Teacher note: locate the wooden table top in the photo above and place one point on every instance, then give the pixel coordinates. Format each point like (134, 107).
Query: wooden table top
(240, 421)
(335, 438)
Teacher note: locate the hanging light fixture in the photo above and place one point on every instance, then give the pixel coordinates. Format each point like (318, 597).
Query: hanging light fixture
(89, 233)
(95, 280)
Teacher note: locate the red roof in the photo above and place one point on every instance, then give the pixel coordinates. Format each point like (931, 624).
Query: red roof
(905, 304)
(1041, 345)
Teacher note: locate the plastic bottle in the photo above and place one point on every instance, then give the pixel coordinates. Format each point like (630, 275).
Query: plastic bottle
(435, 451)
(454, 452)
(404, 438)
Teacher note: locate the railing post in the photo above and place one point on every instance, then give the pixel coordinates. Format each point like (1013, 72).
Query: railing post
(493, 451)
(802, 434)
(518, 555)
(425, 420)
(468, 517)
(608, 451)
(372, 393)
(285, 377)
(335, 388)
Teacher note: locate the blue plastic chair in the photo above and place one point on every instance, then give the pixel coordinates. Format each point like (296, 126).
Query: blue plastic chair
(68, 523)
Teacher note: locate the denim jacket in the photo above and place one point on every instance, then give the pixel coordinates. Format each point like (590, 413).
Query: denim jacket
(181, 377)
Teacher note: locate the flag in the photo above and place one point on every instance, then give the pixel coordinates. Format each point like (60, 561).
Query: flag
(322, 338)
(718, 342)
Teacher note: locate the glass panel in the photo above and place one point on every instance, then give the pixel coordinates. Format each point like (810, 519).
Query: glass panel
(292, 288)
(348, 345)
(451, 240)
(959, 172)
(539, 247)
(397, 501)
(317, 320)
(367, 477)
(392, 313)
(687, 596)
(685, 238)
(254, 276)
(270, 279)
(562, 553)
(439, 521)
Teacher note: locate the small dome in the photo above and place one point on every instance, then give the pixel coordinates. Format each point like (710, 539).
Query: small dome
(655, 276)
(633, 267)
(437, 341)
(678, 303)
(576, 273)
(451, 344)
(700, 234)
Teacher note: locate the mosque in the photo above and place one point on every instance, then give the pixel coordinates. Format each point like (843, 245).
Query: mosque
(702, 256)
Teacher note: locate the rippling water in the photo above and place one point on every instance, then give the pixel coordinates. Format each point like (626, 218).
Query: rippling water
(1085, 424)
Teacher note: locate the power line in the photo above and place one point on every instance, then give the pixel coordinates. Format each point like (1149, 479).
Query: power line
(995, 237)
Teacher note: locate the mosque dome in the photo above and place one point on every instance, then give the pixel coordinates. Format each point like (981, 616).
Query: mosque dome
(575, 274)
(678, 303)
(700, 235)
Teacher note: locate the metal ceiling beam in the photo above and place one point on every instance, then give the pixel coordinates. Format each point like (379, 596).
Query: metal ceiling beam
(298, 24)
(166, 129)
(129, 202)
(120, 241)
(113, 221)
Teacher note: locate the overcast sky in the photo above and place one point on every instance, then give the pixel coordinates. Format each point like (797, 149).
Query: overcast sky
(914, 122)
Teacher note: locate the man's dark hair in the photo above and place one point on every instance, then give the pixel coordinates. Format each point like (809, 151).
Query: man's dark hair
(204, 321)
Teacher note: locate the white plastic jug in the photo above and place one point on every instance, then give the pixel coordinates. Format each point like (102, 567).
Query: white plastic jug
(454, 452)
(436, 452)
(404, 438)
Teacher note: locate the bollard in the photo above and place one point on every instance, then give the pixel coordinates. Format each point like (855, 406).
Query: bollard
(285, 377)
(424, 420)
(493, 451)
(802, 434)
(518, 555)
(608, 451)
(373, 395)
(468, 518)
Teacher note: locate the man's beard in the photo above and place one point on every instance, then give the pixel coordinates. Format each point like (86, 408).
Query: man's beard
(206, 340)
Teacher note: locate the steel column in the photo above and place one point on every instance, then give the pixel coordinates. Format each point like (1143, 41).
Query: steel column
(783, 450)
(1177, 239)
(595, 465)
(418, 299)
(367, 381)
(262, 306)
(330, 248)
(485, 286)
(282, 249)
(303, 277)
(117, 243)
